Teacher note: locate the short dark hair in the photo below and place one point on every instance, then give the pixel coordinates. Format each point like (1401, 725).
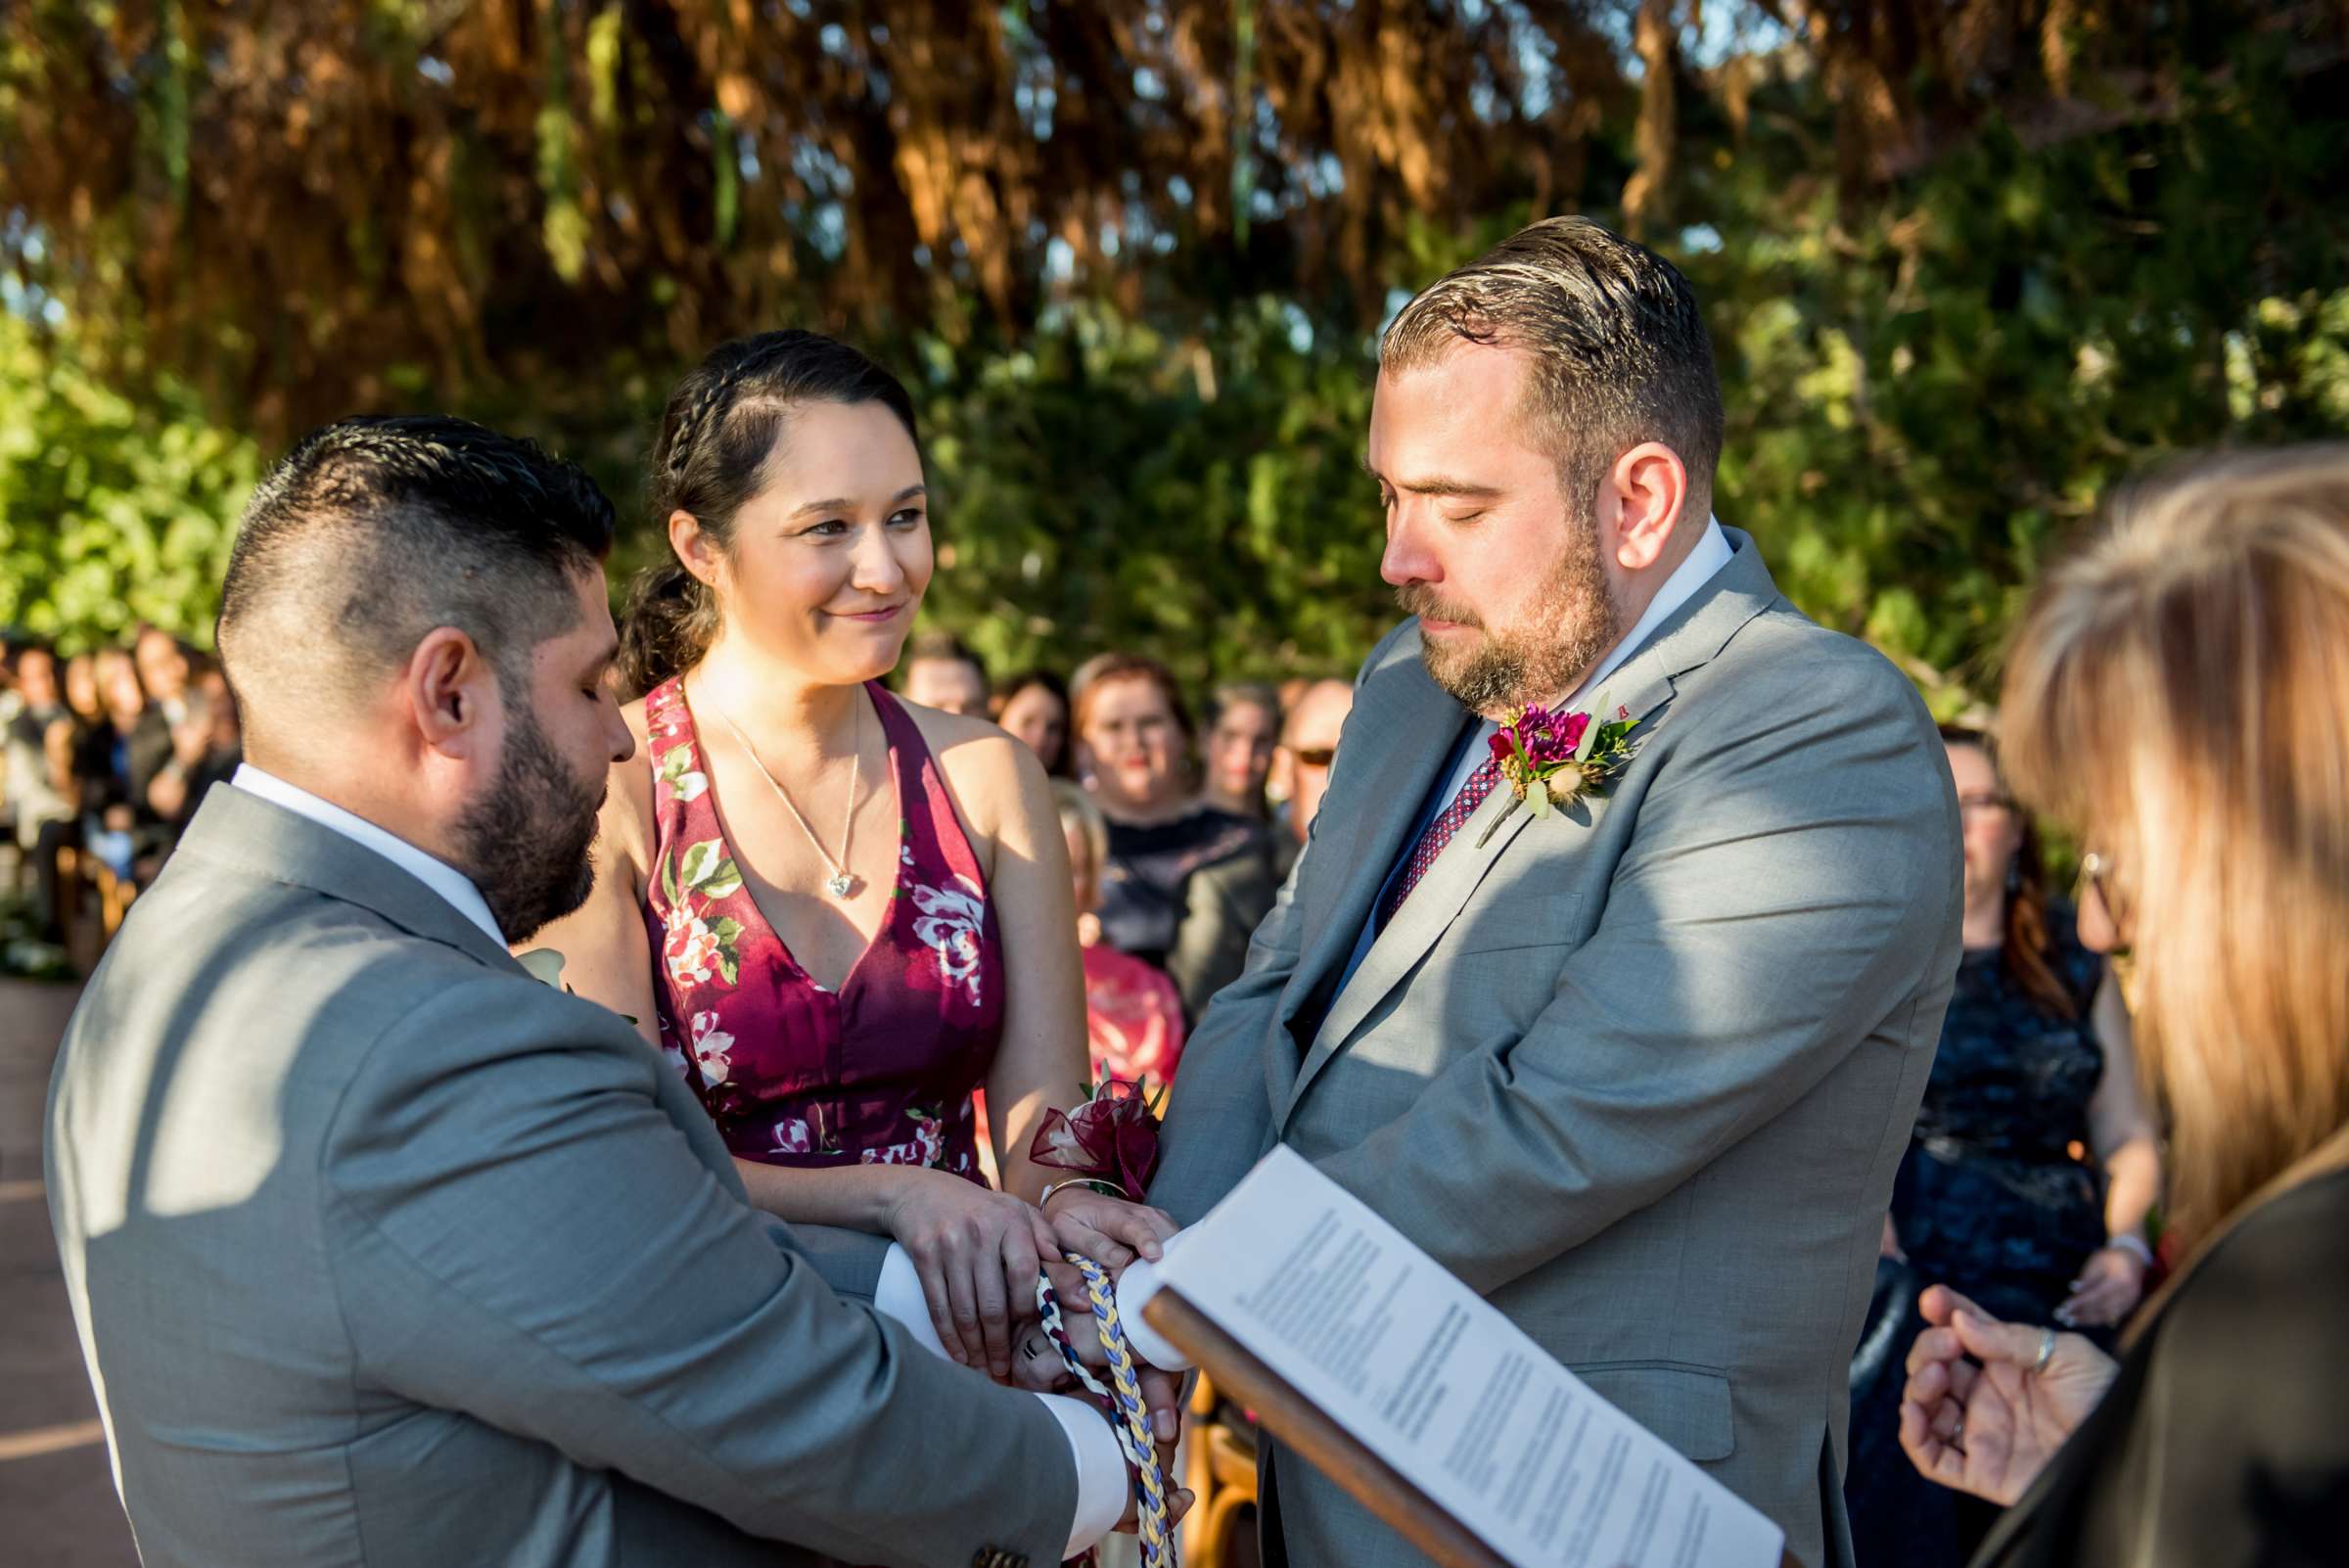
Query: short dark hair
(374, 530)
(1618, 345)
(718, 434)
(945, 647)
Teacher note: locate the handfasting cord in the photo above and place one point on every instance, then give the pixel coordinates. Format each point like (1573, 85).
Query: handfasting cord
(1130, 1417)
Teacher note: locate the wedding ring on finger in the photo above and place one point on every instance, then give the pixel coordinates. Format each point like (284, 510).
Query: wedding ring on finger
(2046, 1351)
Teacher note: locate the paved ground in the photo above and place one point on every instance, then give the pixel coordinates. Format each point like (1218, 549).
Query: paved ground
(56, 1499)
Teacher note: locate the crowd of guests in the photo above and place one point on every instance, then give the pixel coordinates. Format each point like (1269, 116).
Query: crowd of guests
(107, 754)
(1180, 834)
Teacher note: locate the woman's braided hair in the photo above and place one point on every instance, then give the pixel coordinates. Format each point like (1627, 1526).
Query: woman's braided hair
(717, 433)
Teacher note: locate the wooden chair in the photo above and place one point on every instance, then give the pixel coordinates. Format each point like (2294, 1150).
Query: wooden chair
(1221, 1472)
(75, 868)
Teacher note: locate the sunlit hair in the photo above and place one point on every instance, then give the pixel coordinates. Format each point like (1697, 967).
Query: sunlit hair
(1078, 810)
(1616, 345)
(2177, 693)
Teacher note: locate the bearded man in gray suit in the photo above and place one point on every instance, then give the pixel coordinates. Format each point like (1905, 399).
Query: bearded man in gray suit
(381, 1252)
(1639, 1069)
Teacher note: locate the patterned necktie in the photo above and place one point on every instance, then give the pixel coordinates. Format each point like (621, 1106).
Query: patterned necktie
(1438, 833)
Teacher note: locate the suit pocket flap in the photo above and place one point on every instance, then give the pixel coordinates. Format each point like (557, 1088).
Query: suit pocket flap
(1688, 1406)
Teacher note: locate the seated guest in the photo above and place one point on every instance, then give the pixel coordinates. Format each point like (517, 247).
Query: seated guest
(1309, 744)
(2175, 695)
(1184, 883)
(165, 670)
(207, 748)
(82, 691)
(118, 759)
(381, 1251)
(1243, 723)
(1133, 1013)
(39, 777)
(1033, 706)
(942, 673)
(2034, 1062)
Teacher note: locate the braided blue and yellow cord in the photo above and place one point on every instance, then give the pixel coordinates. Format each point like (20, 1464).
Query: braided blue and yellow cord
(1129, 1416)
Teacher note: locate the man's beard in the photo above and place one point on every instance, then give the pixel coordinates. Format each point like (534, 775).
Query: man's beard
(526, 841)
(1570, 623)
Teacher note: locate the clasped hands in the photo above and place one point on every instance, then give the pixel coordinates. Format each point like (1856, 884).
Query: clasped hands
(978, 1254)
(1987, 1402)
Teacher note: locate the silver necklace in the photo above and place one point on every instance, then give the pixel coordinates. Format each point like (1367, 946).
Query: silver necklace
(842, 883)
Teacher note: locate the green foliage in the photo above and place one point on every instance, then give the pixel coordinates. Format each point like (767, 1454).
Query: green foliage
(115, 508)
(1200, 499)
(1924, 404)
(1926, 393)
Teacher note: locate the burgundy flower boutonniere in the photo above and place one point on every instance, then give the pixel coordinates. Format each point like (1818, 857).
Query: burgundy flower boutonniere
(1551, 759)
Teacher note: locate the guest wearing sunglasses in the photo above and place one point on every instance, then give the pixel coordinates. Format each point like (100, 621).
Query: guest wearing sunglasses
(2029, 1175)
(1309, 744)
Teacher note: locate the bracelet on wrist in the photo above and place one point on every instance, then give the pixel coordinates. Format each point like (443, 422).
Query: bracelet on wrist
(1108, 1189)
(2134, 1245)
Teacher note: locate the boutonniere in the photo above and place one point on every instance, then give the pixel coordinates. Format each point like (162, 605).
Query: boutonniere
(1553, 759)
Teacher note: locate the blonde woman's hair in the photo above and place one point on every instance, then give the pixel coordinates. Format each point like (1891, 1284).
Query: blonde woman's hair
(1078, 810)
(2180, 693)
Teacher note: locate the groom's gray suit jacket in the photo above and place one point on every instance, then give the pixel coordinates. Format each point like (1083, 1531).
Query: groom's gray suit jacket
(385, 1254)
(1641, 1071)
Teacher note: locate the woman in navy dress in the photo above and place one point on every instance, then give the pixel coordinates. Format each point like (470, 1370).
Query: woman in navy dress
(2029, 1175)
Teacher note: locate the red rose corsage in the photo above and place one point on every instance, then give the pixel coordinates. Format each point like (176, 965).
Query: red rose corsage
(1110, 1141)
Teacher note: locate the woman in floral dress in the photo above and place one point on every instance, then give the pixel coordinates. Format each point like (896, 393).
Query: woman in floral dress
(836, 914)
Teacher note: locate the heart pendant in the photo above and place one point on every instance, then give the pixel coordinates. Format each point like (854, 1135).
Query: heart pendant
(841, 885)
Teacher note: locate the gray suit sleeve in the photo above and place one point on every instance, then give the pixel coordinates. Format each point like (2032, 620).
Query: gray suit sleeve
(1793, 875)
(519, 1230)
(848, 1261)
(1219, 1114)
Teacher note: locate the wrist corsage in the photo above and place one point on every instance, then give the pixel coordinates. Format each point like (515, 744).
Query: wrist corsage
(1110, 1141)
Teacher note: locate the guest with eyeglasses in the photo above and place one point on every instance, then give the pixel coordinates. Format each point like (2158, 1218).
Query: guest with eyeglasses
(2029, 1175)
(1309, 744)
(2175, 697)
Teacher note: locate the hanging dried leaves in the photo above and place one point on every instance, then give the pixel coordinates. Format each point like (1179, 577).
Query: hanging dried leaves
(311, 208)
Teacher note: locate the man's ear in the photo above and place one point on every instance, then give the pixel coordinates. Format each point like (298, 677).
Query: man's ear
(1649, 485)
(449, 689)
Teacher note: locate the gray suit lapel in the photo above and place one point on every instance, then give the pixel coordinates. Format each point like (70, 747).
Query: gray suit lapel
(1405, 732)
(243, 831)
(1688, 639)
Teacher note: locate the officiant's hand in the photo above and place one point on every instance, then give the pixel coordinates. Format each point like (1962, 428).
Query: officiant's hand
(1989, 1402)
(1108, 1230)
(976, 1253)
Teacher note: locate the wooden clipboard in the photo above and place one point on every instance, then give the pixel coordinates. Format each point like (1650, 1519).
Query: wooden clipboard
(1336, 1452)
(1306, 1427)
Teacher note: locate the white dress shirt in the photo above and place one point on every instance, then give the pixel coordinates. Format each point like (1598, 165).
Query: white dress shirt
(1102, 1487)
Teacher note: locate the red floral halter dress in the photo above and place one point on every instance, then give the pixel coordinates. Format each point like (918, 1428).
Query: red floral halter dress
(877, 1072)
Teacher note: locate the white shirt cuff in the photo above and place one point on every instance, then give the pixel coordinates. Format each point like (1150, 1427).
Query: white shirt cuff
(1135, 1287)
(1102, 1484)
(899, 1294)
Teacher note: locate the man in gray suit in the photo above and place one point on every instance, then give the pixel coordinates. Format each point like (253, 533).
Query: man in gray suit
(1639, 1069)
(383, 1253)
